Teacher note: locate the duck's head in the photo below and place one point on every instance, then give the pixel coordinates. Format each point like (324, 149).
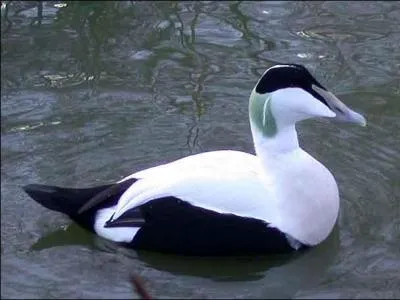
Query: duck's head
(286, 94)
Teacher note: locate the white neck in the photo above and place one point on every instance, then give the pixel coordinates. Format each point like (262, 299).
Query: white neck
(271, 150)
(293, 174)
(284, 141)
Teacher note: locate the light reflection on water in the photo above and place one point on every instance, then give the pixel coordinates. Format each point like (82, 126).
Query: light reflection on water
(107, 89)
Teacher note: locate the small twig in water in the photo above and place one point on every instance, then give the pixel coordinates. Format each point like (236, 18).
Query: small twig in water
(138, 284)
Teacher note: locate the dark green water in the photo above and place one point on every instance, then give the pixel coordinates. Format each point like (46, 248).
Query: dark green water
(91, 92)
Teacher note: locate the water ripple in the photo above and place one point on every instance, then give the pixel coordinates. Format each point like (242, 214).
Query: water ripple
(99, 91)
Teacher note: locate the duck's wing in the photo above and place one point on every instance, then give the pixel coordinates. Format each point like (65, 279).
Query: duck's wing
(222, 181)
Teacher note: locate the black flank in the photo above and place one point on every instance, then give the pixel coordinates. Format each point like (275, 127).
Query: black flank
(175, 226)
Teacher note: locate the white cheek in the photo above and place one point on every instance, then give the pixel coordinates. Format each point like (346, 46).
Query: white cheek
(316, 108)
(297, 104)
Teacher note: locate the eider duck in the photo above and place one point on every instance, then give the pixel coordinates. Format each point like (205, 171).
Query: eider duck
(225, 202)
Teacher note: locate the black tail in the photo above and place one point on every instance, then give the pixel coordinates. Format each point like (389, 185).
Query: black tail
(80, 204)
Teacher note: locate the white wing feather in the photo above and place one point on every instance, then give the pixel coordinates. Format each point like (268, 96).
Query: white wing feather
(223, 181)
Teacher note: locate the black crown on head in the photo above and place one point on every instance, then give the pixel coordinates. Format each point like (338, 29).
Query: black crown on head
(283, 76)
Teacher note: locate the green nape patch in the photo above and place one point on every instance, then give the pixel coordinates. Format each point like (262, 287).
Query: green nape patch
(261, 114)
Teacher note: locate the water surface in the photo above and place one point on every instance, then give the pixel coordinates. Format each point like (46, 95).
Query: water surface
(91, 92)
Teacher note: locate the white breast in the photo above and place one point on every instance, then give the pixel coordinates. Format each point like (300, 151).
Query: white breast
(307, 201)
